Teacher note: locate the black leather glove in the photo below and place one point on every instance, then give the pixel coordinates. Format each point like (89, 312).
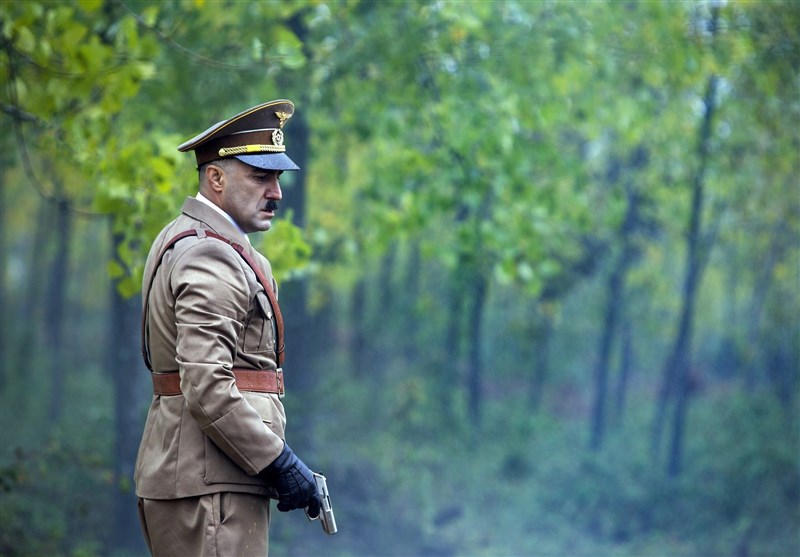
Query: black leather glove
(294, 483)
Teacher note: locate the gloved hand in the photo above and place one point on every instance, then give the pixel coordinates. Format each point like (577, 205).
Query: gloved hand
(294, 483)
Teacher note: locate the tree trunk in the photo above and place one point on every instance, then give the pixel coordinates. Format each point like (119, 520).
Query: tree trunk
(764, 275)
(386, 298)
(300, 345)
(359, 346)
(675, 371)
(541, 362)
(377, 327)
(130, 385)
(615, 302)
(450, 368)
(693, 275)
(475, 341)
(409, 295)
(625, 367)
(29, 315)
(54, 308)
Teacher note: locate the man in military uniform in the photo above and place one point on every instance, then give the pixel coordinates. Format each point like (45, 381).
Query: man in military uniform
(213, 451)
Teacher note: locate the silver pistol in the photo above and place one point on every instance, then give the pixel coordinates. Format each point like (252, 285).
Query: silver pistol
(325, 515)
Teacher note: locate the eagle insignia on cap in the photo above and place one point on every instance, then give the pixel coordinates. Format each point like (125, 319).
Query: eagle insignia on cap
(282, 116)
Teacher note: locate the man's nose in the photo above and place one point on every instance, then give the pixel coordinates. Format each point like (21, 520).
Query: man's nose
(274, 191)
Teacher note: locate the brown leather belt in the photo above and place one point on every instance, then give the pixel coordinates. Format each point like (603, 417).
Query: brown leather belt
(253, 380)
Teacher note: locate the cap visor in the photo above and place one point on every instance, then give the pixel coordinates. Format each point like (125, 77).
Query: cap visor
(269, 161)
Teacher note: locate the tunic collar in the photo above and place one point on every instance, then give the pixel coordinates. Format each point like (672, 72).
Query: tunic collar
(206, 201)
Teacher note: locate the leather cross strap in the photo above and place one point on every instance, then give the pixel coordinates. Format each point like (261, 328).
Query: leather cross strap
(273, 301)
(253, 380)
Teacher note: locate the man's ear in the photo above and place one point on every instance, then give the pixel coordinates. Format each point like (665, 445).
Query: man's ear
(215, 177)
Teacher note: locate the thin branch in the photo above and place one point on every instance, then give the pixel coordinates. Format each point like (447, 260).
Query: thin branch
(186, 51)
(18, 117)
(63, 73)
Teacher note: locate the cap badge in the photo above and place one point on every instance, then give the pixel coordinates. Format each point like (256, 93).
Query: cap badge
(282, 117)
(277, 137)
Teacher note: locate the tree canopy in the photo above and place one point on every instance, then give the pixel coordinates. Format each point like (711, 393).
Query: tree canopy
(524, 233)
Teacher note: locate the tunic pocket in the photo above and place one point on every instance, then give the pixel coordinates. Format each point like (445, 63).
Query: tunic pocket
(220, 468)
(270, 408)
(259, 333)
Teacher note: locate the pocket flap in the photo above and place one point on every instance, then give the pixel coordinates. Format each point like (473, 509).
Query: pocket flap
(264, 305)
(261, 403)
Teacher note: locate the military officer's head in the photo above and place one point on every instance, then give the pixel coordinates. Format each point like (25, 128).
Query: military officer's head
(240, 161)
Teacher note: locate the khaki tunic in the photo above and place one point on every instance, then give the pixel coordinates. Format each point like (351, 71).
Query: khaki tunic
(208, 314)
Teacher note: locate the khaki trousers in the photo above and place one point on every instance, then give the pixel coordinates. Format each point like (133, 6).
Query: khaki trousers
(214, 525)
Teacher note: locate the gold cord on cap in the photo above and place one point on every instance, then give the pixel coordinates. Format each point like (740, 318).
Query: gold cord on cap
(245, 149)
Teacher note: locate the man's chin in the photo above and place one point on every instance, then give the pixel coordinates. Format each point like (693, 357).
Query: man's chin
(258, 226)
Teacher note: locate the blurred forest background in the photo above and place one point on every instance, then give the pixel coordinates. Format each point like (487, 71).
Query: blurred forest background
(540, 271)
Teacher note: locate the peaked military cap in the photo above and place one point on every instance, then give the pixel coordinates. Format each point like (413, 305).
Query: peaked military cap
(254, 136)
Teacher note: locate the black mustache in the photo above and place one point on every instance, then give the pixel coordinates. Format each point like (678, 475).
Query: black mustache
(272, 205)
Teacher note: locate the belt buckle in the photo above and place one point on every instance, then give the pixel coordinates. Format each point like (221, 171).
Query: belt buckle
(279, 381)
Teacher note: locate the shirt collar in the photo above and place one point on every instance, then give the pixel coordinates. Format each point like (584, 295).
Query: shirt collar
(204, 199)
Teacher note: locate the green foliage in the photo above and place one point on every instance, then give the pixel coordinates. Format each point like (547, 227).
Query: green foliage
(57, 486)
(523, 485)
(286, 249)
(450, 142)
(56, 56)
(53, 503)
